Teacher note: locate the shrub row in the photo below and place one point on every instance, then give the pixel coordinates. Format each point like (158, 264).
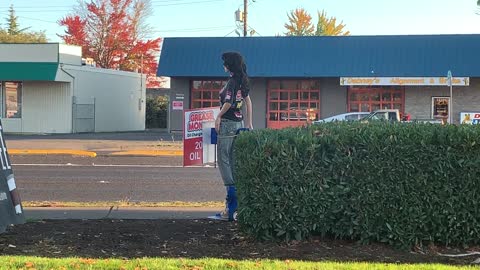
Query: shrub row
(403, 184)
(156, 112)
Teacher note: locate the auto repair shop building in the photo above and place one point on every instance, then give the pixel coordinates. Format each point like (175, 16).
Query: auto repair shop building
(298, 78)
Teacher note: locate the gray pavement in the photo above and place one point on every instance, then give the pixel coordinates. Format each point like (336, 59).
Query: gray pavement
(133, 183)
(40, 213)
(147, 135)
(99, 142)
(104, 144)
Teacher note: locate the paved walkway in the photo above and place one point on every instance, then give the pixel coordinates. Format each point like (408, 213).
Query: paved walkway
(148, 143)
(37, 213)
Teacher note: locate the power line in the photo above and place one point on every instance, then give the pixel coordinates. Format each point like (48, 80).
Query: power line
(165, 3)
(207, 28)
(230, 32)
(212, 28)
(28, 18)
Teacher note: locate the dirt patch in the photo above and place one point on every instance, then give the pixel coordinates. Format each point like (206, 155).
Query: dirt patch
(190, 239)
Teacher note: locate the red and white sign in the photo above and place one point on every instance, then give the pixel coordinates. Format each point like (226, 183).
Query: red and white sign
(197, 149)
(177, 105)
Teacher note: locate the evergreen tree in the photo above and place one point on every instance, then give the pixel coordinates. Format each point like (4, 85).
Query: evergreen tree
(12, 23)
(14, 34)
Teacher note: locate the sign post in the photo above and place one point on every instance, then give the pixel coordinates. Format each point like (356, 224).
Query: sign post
(450, 83)
(197, 149)
(11, 211)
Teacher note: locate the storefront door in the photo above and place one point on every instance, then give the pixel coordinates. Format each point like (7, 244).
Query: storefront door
(441, 108)
(292, 103)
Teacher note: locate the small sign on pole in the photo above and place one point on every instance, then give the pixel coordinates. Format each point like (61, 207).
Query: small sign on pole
(197, 149)
(450, 109)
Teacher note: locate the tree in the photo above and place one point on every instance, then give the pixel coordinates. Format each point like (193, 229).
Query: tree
(113, 32)
(328, 26)
(13, 34)
(299, 23)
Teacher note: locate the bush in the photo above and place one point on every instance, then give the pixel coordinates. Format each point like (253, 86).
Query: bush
(403, 184)
(156, 112)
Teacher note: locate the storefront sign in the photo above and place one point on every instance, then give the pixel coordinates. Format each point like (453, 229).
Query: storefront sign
(407, 81)
(470, 118)
(11, 211)
(197, 149)
(177, 105)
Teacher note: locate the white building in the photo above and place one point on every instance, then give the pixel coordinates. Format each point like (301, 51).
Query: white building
(46, 89)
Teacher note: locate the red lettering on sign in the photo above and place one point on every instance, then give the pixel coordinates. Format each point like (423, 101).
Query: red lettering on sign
(194, 126)
(477, 115)
(193, 152)
(201, 116)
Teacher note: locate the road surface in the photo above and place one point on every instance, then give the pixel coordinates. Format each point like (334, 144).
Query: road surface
(61, 178)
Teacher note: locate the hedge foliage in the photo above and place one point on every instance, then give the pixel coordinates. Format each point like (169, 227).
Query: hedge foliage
(156, 112)
(403, 184)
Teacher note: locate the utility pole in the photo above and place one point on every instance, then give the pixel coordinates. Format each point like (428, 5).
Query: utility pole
(245, 17)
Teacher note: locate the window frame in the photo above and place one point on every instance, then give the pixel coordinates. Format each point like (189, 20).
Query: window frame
(214, 92)
(294, 114)
(3, 98)
(370, 92)
(445, 119)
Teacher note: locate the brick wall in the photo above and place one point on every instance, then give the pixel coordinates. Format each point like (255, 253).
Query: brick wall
(418, 99)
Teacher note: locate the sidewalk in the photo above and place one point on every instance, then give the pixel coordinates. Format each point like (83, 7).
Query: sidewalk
(119, 213)
(147, 143)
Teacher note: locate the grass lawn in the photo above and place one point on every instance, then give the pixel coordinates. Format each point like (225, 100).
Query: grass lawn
(22, 262)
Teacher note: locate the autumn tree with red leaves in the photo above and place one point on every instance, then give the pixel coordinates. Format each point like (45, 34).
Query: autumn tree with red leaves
(113, 32)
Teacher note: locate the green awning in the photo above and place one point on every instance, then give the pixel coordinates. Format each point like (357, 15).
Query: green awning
(28, 71)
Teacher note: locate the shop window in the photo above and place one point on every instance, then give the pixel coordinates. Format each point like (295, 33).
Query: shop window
(11, 99)
(205, 93)
(441, 108)
(368, 99)
(292, 102)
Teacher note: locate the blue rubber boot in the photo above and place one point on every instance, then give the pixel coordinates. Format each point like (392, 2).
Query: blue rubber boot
(232, 203)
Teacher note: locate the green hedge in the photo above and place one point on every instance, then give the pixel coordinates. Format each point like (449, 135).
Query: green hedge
(156, 112)
(403, 184)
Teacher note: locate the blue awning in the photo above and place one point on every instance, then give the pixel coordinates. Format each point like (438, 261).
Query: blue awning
(327, 56)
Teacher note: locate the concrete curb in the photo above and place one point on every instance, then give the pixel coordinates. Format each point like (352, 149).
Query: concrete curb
(52, 152)
(146, 153)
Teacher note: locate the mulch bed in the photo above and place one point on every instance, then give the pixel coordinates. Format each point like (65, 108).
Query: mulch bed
(107, 238)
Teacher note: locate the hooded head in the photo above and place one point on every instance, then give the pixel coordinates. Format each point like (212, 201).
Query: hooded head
(233, 61)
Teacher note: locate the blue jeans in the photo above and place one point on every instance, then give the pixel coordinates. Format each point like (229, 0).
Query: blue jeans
(226, 135)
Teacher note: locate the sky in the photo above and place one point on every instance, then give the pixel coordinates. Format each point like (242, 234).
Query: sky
(205, 18)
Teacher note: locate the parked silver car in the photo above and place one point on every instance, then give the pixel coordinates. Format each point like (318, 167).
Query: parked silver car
(351, 116)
